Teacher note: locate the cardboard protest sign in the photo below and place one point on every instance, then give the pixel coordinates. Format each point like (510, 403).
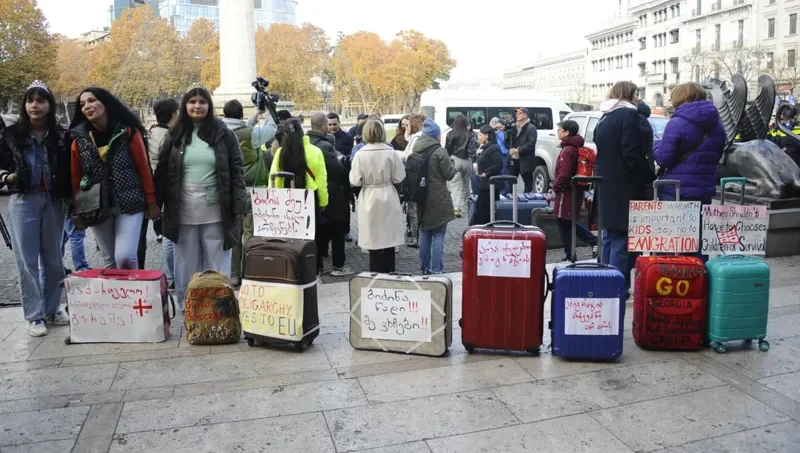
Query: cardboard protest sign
(396, 314)
(664, 226)
(733, 229)
(283, 213)
(504, 258)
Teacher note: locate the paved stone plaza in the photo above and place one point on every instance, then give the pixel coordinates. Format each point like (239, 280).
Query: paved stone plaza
(173, 397)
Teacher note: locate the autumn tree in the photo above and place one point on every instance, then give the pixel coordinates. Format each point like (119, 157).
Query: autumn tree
(292, 58)
(209, 74)
(785, 73)
(358, 64)
(701, 65)
(744, 60)
(142, 59)
(427, 60)
(73, 63)
(199, 50)
(27, 51)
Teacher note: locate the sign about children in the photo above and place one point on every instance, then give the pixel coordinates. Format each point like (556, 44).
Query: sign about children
(591, 316)
(272, 309)
(664, 226)
(734, 229)
(504, 258)
(114, 311)
(396, 314)
(283, 213)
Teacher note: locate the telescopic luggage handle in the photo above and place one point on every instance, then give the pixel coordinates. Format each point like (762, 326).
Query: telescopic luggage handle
(502, 179)
(287, 175)
(667, 182)
(725, 181)
(573, 257)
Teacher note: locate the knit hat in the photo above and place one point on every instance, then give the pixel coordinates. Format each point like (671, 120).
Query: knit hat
(431, 129)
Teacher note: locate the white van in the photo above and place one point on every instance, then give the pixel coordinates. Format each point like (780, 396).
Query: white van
(481, 105)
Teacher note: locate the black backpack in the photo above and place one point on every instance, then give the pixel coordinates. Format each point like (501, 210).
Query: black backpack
(415, 186)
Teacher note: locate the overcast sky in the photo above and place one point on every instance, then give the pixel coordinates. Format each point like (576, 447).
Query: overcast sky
(486, 37)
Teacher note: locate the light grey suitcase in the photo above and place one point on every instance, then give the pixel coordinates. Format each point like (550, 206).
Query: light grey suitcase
(401, 313)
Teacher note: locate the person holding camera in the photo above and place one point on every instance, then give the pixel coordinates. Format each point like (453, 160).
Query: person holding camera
(251, 136)
(523, 148)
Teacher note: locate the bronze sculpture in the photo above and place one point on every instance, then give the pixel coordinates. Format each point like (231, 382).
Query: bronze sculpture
(770, 172)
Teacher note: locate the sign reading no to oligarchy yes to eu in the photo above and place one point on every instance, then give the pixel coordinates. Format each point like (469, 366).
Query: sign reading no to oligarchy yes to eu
(664, 226)
(272, 310)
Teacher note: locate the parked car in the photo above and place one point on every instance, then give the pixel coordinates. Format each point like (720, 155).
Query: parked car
(588, 122)
(481, 105)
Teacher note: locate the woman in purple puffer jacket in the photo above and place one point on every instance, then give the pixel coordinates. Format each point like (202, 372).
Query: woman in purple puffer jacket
(692, 145)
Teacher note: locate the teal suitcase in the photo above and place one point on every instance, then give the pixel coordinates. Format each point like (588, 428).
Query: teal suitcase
(738, 295)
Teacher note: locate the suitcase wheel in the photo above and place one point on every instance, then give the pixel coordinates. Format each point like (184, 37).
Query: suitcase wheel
(251, 342)
(299, 346)
(461, 323)
(721, 348)
(469, 348)
(533, 351)
(68, 341)
(763, 345)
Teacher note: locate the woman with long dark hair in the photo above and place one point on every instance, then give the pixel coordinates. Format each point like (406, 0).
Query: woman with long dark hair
(399, 142)
(35, 164)
(489, 163)
(111, 178)
(461, 145)
(200, 178)
(297, 155)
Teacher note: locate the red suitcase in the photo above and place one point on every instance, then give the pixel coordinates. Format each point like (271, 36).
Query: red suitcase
(504, 285)
(669, 299)
(126, 275)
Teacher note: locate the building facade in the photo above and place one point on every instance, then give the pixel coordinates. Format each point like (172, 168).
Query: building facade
(182, 13)
(610, 54)
(119, 6)
(563, 76)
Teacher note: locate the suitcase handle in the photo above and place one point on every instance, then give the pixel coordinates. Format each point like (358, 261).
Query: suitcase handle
(494, 180)
(115, 272)
(287, 175)
(589, 266)
(509, 223)
(667, 182)
(573, 256)
(546, 287)
(725, 181)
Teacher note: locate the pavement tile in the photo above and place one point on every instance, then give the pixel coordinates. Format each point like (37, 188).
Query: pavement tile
(779, 438)
(575, 434)
(783, 327)
(423, 418)
(782, 357)
(342, 355)
(29, 365)
(413, 363)
(676, 420)
(549, 366)
(56, 381)
(56, 402)
(411, 447)
(305, 433)
(255, 383)
(101, 421)
(242, 405)
(785, 296)
(787, 384)
(59, 446)
(443, 380)
(136, 356)
(40, 426)
(54, 347)
(188, 370)
(18, 345)
(557, 397)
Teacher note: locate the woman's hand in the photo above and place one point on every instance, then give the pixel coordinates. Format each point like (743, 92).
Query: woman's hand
(12, 178)
(152, 212)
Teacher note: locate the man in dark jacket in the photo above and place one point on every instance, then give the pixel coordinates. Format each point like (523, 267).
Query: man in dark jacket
(622, 164)
(344, 141)
(523, 147)
(333, 222)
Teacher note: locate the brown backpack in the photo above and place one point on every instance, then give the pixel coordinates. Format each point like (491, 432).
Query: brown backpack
(212, 311)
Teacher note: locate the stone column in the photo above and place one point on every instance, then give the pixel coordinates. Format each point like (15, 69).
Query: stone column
(237, 52)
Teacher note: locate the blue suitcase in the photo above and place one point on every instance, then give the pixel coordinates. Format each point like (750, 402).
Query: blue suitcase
(587, 307)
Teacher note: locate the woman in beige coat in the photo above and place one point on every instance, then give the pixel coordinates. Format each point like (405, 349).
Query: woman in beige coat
(376, 168)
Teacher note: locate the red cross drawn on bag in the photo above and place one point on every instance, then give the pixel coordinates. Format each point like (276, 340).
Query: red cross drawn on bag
(141, 307)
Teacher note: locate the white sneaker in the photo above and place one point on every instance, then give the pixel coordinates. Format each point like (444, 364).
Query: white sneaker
(58, 319)
(37, 328)
(342, 271)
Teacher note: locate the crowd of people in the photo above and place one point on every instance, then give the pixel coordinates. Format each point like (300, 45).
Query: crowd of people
(189, 175)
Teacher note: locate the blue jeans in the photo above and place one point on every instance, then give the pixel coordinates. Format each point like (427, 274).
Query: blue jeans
(36, 225)
(75, 238)
(615, 253)
(118, 240)
(168, 255)
(703, 201)
(431, 249)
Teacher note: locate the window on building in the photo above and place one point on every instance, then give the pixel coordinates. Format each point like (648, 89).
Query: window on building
(717, 36)
(678, 9)
(740, 36)
(790, 57)
(674, 64)
(697, 39)
(699, 6)
(770, 60)
(674, 36)
(642, 43)
(642, 69)
(771, 27)
(792, 24)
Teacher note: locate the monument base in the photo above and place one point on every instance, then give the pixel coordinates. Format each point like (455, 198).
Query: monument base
(783, 227)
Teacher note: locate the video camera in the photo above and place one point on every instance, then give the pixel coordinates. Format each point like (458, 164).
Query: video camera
(262, 98)
(508, 126)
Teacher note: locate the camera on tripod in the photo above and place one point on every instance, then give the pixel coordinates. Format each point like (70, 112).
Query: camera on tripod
(262, 98)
